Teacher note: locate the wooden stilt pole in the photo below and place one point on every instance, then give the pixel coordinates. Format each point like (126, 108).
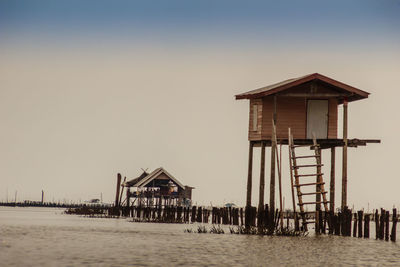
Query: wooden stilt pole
(344, 164)
(118, 188)
(332, 183)
(128, 197)
(279, 161)
(249, 175)
(262, 178)
(247, 212)
(272, 181)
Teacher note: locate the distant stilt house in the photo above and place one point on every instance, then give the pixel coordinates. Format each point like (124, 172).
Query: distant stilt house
(158, 188)
(308, 106)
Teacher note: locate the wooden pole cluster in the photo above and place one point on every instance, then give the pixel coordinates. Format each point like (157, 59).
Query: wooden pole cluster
(340, 224)
(178, 214)
(266, 223)
(382, 225)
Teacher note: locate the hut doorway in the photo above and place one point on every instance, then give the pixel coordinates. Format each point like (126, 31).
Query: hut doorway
(317, 119)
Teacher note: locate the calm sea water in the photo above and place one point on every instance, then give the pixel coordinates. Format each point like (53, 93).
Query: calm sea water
(47, 237)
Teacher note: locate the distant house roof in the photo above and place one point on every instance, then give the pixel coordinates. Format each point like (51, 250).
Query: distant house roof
(354, 93)
(146, 178)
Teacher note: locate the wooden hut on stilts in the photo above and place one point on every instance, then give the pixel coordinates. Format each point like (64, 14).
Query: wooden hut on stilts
(155, 189)
(308, 106)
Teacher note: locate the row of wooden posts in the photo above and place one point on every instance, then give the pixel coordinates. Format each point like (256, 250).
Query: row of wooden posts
(345, 223)
(358, 224)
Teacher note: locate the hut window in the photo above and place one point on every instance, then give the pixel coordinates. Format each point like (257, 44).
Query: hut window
(255, 117)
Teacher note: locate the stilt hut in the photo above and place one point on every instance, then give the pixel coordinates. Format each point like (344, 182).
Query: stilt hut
(308, 105)
(157, 188)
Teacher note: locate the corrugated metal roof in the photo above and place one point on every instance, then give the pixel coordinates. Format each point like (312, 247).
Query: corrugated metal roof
(357, 94)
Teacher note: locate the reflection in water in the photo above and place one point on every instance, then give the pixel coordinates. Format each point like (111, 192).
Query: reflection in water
(46, 237)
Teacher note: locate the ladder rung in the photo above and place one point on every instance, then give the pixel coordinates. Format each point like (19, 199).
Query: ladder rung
(310, 146)
(309, 203)
(304, 157)
(306, 212)
(309, 184)
(309, 222)
(311, 165)
(313, 193)
(313, 174)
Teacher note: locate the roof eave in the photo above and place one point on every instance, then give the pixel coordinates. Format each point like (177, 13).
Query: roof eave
(360, 94)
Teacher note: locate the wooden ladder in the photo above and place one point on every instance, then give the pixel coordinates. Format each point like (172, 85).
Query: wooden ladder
(297, 185)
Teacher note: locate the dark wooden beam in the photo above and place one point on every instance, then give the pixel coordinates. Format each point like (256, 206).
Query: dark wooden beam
(344, 162)
(317, 95)
(272, 177)
(332, 182)
(324, 143)
(118, 188)
(262, 178)
(249, 175)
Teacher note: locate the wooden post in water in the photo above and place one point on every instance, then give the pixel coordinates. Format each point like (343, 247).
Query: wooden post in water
(272, 178)
(387, 217)
(262, 182)
(394, 223)
(118, 188)
(249, 186)
(377, 236)
(331, 222)
(360, 221)
(366, 226)
(355, 225)
(241, 217)
(382, 224)
(193, 217)
(249, 175)
(344, 163)
(332, 182)
(337, 222)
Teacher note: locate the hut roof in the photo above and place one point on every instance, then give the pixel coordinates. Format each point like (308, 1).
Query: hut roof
(134, 181)
(352, 92)
(146, 178)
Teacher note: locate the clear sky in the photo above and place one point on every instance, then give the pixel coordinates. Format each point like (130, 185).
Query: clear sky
(92, 88)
